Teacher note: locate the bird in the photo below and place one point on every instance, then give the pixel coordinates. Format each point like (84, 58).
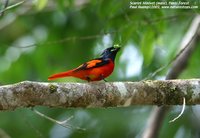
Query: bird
(94, 70)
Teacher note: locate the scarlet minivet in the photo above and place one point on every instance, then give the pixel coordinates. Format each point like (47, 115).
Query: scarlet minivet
(93, 70)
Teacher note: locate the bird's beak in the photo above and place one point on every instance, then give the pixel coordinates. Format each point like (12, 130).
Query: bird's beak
(117, 49)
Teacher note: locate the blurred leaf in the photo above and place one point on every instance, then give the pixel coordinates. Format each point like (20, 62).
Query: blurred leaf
(127, 33)
(147, 46)
(40, 4)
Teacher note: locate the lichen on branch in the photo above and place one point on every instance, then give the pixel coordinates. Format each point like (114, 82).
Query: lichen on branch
(99, 94)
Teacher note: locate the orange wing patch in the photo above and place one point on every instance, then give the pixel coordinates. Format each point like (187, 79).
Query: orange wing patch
(92, 63)
(88, 65)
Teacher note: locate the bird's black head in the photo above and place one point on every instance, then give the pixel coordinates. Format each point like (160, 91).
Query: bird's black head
(110, 53)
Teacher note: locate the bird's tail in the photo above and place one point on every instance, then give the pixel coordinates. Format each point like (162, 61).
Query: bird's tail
(60, 75)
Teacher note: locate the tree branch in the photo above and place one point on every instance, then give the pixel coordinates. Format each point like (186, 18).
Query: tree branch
(5, 6)
(99, 94)
(10, 7)
(189, 41)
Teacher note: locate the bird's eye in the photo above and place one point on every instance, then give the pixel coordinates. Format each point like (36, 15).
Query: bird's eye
(112, 50)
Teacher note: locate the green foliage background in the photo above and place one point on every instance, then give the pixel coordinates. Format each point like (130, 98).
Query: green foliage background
(45, 37)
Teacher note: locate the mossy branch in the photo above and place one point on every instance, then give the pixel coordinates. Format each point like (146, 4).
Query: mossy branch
(99, 94)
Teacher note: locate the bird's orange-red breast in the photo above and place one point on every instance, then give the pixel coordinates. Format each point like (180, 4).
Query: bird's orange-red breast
(93, 70)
